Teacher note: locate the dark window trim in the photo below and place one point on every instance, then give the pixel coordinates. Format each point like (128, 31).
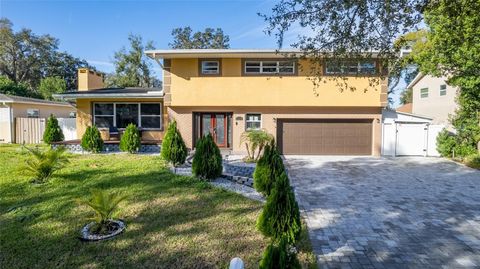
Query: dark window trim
(376, 74)
(200, 60)
(139, 114)
(295, 67)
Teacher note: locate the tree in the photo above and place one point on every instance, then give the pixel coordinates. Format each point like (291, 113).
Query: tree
(7, 86)
(53, 132)
(132, 66)
(269, 167)
(26, 58)
(51, 85)
(174, 149)
(208, 39)
(452, 50)
(207, 161)
(279, 256)
(92, 140)
(406, 96)
(131, 139)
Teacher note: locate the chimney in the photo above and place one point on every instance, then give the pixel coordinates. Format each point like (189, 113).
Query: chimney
(88, 80)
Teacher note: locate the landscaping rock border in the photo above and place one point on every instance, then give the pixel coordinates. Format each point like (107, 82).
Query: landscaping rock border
(76, 148)
(87, 236)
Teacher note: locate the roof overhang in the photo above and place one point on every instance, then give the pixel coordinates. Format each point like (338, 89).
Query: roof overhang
(75, 96)
(417, 78)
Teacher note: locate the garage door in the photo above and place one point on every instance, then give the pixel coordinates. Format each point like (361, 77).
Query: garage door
(325, 137)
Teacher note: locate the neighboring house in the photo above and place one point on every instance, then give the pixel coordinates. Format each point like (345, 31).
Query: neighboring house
(406, 108)
(432, 97)
(227, 92)
(12, 107)
(115, 108)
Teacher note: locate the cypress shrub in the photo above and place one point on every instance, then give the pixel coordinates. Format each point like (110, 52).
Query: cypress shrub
(53, 132)
(445, 143)
(131, 140)
(280, 217)
(174, 149)
(92, 140)
(269, 167)
(279, 256)
(207, 161)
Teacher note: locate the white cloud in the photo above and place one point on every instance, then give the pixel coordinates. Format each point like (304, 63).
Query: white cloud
(101, 63)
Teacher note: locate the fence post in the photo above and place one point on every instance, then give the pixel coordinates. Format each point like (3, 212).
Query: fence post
(236, 263)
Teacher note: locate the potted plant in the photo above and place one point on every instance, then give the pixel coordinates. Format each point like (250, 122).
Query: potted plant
(104, 226)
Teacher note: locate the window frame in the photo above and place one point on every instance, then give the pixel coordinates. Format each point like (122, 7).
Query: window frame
(200, 67)
(246, 121)
(261, 67)
(139, 115)
(443, 90)
(424, 94)
(347, 65)
(33, 110)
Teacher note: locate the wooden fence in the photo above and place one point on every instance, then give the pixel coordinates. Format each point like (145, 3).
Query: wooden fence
(30, 130)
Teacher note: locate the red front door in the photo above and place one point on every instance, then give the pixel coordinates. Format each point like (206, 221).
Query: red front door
(216, 124)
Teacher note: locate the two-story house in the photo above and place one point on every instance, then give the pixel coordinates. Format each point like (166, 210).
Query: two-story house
(227, 92)
(432, 97)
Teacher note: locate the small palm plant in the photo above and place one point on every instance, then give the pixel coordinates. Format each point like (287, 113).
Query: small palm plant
(255, 141)
(105, 204)
(45, 162)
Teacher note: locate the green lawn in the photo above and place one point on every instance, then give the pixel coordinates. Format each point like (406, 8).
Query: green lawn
(173, 221)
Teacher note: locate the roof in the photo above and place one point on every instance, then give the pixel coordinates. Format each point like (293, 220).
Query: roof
(4, 98)
(221, 53)
(133, 92)
(417, 78)
(406, 108)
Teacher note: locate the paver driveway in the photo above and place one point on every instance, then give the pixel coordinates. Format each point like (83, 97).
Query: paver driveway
(366, 212)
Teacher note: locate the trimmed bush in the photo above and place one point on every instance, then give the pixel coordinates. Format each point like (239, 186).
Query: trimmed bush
(45, 162)
(473, 161)
(92, 140)
(174, 149)
(131, 140)
(207, 161)
(269, 167)
(280, 217)
(279, 256)
(53, 132)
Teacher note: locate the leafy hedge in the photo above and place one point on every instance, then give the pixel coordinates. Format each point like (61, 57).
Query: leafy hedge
(131, 140)
(174, 149)
(92, 140)
(53, 132)
(207, 161)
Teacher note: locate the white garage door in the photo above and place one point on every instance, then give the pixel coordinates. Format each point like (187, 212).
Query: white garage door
(411, 139)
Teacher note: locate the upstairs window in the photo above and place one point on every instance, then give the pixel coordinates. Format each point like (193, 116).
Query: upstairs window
(350, 67)
(443, 90)
(253, 121)
(424, 93)
(33, 113)
(269, 67)
(210, 67)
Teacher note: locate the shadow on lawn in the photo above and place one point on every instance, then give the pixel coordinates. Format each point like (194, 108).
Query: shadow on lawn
(173, 222)
(390, 212)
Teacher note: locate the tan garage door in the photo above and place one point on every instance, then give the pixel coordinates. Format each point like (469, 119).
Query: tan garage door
(325, 137)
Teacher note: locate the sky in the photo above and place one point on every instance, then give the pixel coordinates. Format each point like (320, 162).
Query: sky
(94, 29)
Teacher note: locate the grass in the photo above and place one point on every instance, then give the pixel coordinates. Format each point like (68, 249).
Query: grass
(173, 221)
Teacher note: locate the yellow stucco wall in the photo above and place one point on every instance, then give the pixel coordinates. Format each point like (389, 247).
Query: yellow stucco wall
(85, 117)
(234, 89)
(60, 111)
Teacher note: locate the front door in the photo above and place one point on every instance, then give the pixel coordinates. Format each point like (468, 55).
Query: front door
(216, 124)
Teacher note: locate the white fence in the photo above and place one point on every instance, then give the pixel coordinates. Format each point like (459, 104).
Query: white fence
(69, 128)
(30, 130)
(410, 139)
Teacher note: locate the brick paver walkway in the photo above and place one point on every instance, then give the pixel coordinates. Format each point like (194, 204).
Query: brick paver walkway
(365, 212)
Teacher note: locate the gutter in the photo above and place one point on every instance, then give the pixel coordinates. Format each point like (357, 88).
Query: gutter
(108, 95)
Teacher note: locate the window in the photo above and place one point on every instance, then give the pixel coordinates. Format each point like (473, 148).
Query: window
(269, 67)
(210, 67)
(33, 113)
(253, 121)
(443, 90)
(424, 93)
(143, 115)
(350, 67)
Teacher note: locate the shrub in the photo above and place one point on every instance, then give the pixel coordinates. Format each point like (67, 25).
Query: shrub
(92, 140)
(445, 143)
(53, 132)
(105, 205)
(173, 147)
(207, 161)
(279, 256)
(473, 161)
(45, 162)
(255, 141)
(131, 139)
(269, 167)
(280, 217)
